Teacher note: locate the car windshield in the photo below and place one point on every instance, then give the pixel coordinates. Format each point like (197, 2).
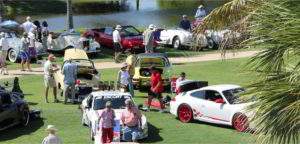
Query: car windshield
(156, 62)
(233, 95)
(117, 103)
(130, 31)
(83, 63)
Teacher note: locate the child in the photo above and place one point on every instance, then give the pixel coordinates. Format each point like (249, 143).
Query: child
(107, 122)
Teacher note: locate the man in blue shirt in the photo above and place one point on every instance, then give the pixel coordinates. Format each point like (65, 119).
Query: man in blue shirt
(70, 73)
(185, 23)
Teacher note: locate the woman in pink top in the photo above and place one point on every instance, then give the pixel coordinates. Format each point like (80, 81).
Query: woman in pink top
(106, 118)
(131, 122)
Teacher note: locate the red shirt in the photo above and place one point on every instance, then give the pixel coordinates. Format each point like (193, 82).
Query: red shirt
(154, 80)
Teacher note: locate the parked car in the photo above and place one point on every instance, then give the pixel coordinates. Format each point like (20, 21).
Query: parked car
(131, 38)
(96, 101)
(13, 110)
(58, 43)
(219, 104)
(87, 75)
(176, 37)
(15, 44)
(142, 64)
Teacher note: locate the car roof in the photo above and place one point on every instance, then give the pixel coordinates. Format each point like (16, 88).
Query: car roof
(100, 94)
(75, 53)
(148, 55)
(220, 87)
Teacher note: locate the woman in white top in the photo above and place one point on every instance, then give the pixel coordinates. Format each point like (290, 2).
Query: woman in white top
(123, 78)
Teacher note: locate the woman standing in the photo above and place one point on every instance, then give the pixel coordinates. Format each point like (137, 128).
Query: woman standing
(123, 78)
(107, 122)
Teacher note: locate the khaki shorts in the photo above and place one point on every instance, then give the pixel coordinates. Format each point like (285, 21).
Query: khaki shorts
(49, 81)
(3, 56)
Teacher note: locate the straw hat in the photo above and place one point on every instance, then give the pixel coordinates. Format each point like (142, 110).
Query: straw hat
(51, 128)
(200, 6)
(118, 27)
(151, 26)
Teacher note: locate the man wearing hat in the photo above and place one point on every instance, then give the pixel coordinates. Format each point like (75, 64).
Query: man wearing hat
(123, 77)
(149, 38)
(117, 42)
(4, 48)
(185, 23)
(52, 138)
(49, 69)
(179, 79)
(201, 13)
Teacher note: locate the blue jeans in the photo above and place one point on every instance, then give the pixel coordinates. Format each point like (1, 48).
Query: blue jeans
(131, 133)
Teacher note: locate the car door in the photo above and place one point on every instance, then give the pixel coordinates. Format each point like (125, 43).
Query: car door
(106, 37)
(215, 110)
(196, 102)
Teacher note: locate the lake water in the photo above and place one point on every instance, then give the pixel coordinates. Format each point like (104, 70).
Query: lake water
(163, 13)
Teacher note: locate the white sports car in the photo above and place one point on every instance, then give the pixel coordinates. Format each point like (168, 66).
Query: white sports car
(176, 37)
(219, 104)
(96, 101)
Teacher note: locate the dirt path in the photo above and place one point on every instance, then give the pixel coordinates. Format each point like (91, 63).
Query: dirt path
(106, 65)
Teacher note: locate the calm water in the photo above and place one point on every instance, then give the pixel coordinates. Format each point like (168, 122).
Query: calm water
(163, 13)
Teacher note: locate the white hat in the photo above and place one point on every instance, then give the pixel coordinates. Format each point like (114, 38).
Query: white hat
(124, 65)
(2, 34)
(151, 26)
(51, 128)
(118, 27)
(128, 101)
(184, 16)
(200, 6)
(28, 18)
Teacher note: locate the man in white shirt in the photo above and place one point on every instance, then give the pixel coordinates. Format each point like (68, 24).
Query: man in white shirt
(180, 79)
(4, 48)
(49, 69)
(117, 42)
(28, 25)
(52, 138)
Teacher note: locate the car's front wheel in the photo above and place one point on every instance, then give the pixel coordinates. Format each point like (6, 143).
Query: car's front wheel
(240, 122)
(176, 43)
(12, 55)
(25, 116)
(185, 113)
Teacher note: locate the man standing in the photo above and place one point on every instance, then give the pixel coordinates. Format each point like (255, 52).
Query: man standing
(28, 25)
(24, 52)
(131, 119)
(31, 47)
(117, 42)
(49, 81)
(181, 78)
(148, 38)
(70, 73)
(185, 23)
(156, 88)
(201, 13)
(52, 138)
(4, 48)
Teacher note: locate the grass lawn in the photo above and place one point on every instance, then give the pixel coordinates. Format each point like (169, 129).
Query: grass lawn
(163, 128)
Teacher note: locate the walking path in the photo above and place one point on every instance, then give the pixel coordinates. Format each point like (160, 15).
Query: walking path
(106, 65)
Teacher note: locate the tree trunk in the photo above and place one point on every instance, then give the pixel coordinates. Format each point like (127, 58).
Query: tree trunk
(70, 24)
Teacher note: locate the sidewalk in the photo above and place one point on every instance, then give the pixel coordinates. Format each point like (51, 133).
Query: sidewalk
(107, 65)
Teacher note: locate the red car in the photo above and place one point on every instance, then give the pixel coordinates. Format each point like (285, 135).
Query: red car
(131, 37)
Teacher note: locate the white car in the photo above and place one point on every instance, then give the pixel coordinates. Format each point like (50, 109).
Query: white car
(96, 101)
(219, 104)
(176, 37)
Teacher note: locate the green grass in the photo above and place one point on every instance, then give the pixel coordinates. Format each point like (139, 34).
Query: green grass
(163, 128)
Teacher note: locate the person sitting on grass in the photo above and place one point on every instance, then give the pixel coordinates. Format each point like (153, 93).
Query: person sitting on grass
(52, 138)
(131, 119)
(107, 122)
